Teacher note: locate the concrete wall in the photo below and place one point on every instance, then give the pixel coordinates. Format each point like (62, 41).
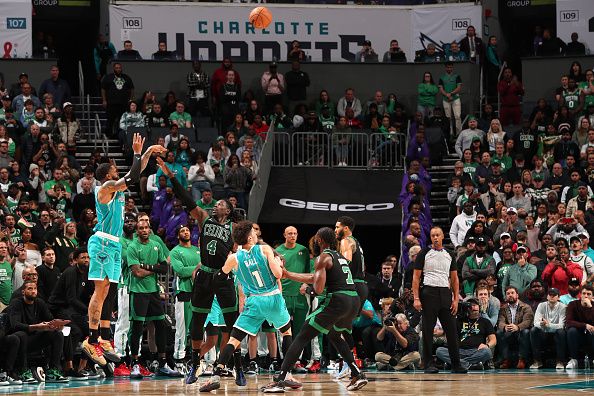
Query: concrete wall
(37, 69)
(401, 79)
(543, 75)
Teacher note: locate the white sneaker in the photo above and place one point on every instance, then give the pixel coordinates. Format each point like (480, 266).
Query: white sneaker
(572, 365)
(206, 369)
(345, 372)
(559, 366)
(332, 366)
(536, 365)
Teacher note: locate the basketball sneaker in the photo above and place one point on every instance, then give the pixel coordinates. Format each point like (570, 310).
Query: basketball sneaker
(94, 352)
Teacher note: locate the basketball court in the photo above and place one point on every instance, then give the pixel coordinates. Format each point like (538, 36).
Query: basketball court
(544, 382)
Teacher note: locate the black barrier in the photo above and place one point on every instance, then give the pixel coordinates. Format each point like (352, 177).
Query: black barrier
(542, 76)
(401, 79)
(319, 196)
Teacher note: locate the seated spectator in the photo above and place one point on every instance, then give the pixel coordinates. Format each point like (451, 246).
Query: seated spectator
(48, 274)
(184, 154)
(86, 223)
(168, 230)
(549, 323)
(454, 54)
(128, 53)
(162, 204)
(580, 258)
(217, 183)
(32, 321)
(198, 175)
(534, 294)
(70, 300)
(489, 305)
(521, 273)
(394, 54)
(477, 339)
(515, 321)
(560, 269)
(367, 53)
(163, 54)
(430, 54)
(349, 101)
(180, 118)
(401, 344)
(477, 266)
(574, 286)
(579, 321)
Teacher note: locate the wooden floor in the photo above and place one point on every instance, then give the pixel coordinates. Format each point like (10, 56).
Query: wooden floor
(473, 384)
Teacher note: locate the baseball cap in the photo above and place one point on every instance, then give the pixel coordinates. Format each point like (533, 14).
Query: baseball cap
(575, 238)
(6, 97)
(553, 291)
(23, 74)
(581, 184)
(574, 281)
(367, 42)
(471, 118)
(521, 247)
(476, 139)
(519, 157)
(538, 177)
(272, 64)
(472, 301)
(511, 209)
(495, 161)
(481, 240)
(130, 216)
(564, 127)
(493, 179)
(504, 234)
(33, 166)
(66, 104)
(470, 239)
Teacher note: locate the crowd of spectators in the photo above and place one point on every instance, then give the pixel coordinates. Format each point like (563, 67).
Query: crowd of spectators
(520, 202)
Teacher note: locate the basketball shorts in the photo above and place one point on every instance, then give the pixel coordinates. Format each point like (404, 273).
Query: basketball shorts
(206, 286)
(337, 312)
(146, 307)
(105, 259)
(263, 308)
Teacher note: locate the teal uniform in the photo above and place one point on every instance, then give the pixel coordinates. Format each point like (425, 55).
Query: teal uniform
(106, 252)
(264, 301)
(215, 316)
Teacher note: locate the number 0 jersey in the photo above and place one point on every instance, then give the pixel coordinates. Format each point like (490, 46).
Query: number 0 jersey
(339, 277)
(253, 271)
(215, 243)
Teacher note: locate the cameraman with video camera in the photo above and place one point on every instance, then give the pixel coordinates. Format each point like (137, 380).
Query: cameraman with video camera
(401, 344)
(476, 335)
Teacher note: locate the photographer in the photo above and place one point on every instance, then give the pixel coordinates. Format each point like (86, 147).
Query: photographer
(477, 337)
(401, 344)
(366, 54)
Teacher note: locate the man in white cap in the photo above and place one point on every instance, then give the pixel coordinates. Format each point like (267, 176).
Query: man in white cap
(511, 225)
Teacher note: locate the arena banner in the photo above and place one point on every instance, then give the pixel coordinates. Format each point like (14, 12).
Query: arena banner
(326, 32)
(576, 16)
(442, 25)
(318, 196)
(15, 29)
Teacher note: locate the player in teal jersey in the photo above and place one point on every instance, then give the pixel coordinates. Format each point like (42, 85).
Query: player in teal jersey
(258, 272)
(104, 246)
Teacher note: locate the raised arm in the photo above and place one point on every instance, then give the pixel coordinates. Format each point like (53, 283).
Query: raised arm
(138, 164)
(230, 263)
(181, 193)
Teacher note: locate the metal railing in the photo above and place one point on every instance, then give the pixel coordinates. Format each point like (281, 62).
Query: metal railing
(363, 149)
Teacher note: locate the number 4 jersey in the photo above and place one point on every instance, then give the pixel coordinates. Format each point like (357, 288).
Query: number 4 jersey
(339, 277)
(215, 243)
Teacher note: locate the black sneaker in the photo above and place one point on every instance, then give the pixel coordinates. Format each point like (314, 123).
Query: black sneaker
(252, 368)
(273, 387)
(459, 370)
(431, 370)
(74, 375)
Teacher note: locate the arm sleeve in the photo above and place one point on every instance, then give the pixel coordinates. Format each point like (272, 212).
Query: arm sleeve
(183, 195)
(134, 174)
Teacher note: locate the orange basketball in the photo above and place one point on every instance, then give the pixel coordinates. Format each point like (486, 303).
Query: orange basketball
(260, 17)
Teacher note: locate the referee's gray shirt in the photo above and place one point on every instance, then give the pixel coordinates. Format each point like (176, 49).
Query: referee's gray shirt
(436, 266)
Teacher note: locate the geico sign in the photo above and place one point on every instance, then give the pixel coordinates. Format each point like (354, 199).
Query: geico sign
(333, 207)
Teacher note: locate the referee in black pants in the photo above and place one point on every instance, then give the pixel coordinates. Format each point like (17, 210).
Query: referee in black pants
(438, 298)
